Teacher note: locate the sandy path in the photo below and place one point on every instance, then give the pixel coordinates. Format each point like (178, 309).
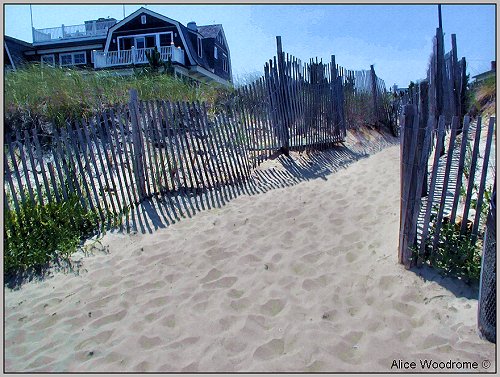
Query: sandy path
(302, 278)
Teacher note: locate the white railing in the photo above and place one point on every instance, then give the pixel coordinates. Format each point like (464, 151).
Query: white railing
(89, 29)
(135, 56)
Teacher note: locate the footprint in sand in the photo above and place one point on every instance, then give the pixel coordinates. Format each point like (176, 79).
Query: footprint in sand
(404, 308)
(272, 307)
(235, 293)
(225, 282)
(184, 342)
(148, 343)
(212, 275)
(240, 304)
(249, 258)
(351, 256)
(96, 340)
(168, 321)
(270, 350)
(234, 345)
(312, 257)
(115, 317)
(227, 322)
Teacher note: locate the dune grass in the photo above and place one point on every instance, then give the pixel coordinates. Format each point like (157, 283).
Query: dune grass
(57, 94)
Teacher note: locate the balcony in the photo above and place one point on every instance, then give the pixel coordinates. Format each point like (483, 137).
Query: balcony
(90, 29)
(135, 56)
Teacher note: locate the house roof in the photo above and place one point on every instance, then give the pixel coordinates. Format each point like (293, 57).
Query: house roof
(18, 41)
(209, 31)
(192, 49)
(485, 74)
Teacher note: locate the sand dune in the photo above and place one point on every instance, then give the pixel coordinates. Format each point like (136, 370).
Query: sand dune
(299, 278)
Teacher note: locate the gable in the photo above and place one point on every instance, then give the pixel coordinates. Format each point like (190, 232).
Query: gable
(132, 18)
(136, 25)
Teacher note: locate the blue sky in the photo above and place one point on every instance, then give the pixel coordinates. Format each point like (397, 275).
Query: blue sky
(397, 39)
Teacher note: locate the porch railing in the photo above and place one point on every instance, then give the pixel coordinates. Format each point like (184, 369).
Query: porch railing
(135, 56)
(89, 29)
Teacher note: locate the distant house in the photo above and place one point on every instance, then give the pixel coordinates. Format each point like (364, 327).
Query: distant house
(485, 75)
(199, 52)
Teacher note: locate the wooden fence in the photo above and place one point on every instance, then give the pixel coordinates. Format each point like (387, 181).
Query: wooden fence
(447, 80)
(120, 156)
(455, 189)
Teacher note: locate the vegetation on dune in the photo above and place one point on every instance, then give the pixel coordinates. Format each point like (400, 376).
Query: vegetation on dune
(482, 98)
(36, 94)
(41, 234)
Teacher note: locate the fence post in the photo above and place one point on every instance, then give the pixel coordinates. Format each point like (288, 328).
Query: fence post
(487, 308)
(374, 92)
(455, 77)
(282, 97)
(423, 115)
(137, 144)
(414, 143)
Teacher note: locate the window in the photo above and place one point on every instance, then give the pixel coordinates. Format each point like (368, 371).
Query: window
(48, 60)
(215, 52)
(224, 63)
(79, 58)
(73, 58)
(143, 19)
(66, 59)
(200, 48)
(140, 42)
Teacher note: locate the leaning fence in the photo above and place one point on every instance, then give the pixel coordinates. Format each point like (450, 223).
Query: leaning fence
(461, 171)
(119, 156)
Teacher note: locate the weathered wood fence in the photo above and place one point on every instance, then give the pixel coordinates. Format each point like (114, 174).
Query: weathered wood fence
(118, 157)
(455, 189)
(447, 80)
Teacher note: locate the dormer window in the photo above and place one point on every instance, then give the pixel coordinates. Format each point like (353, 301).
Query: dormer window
(215, 52)
(200, 47)
(143, 19)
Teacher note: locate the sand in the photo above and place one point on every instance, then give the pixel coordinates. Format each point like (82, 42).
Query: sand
(299, 278)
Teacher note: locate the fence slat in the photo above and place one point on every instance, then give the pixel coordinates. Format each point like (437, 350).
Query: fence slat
(178, 166)
(150, 155)
(13, 193)
(33, 167)
(86, 164)
(472, 174)
(482, 183)
(26, 172)
(72, 171)
(444, 192)
(102, 156)
(89, 131)
(79, 164)
(16, 169)
(57, 164)
(461, 162)
(410, 132)
(432, 186)
(53, 181)
(117, 161)
(192, 151)
(126, 157)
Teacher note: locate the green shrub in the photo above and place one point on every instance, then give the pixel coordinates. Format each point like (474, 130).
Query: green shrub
(455, 255)
(43, 233)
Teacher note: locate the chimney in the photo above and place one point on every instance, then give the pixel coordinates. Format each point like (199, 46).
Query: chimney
(192, 26)
(493, 65)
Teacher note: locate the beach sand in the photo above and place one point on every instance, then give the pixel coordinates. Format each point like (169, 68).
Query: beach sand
(299, 278)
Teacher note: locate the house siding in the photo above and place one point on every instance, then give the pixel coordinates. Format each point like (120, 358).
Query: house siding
(182, 37)
(153, 25)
